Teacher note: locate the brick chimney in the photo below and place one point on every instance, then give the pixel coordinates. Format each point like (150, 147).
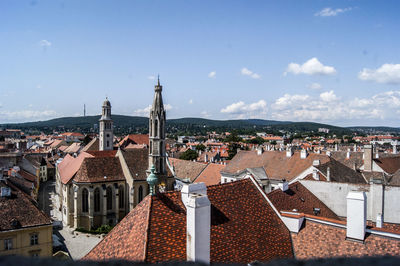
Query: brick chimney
(356, 215)
(198, 224)
(368, 158)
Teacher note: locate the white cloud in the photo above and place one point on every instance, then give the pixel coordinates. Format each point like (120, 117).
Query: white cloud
(315, 86)
(191, 101)
(26, 115)
(387, 73)
(330, 108)
(146, 111)
(329, 12)
(247, 72)
(328, 96)
(205, 114)
(212, 74)
(151, 77)
(311, 67)
(45, 43)
(242, 110)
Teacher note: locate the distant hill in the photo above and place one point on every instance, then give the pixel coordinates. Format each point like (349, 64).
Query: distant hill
(125, 124)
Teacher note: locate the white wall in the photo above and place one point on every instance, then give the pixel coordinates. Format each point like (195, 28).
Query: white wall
(334, 196)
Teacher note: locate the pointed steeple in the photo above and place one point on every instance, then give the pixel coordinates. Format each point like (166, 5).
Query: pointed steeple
(157, 156)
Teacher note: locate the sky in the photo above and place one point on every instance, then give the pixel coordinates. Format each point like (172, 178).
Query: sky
(335, 62)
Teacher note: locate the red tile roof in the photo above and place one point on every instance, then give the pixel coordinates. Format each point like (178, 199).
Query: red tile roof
(316, 240)
(389, 164)
(211, 175)
(135, 139)
(99, 169)
(18, 211)
(300, 198)
(244, 228)
(275, 163)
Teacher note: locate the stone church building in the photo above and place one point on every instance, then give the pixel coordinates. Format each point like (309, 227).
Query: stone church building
(101, 186)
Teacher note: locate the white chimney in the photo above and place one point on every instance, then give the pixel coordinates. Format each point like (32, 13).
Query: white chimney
(328, 153)
(283, 185)
(303, 154)
(316, 163)
(205, 157)
(198, 225)
(328, 174)
(289, 152)
(348, 154)
(356, 215)
(379, 220)
(195, 188)
(336, 147)
(377, 155)
(259, 150)
(355, 148)
(394, 149)
(315, 174)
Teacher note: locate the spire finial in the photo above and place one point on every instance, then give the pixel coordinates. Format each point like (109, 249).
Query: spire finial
(152, 180)
(158, 78)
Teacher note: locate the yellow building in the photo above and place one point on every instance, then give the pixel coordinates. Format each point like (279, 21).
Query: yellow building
(24, 229)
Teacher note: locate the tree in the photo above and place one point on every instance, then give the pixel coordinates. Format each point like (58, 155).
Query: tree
(256, 140)
(232, 150)
(86, 140)
(189, 155)
(200, 147)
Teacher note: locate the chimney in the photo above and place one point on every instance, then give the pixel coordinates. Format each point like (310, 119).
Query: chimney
(368, 158)
(283, 185)
(195, 188)
(348, 154)
(316, 163)
(315, 174)
(356, 215)
(198, 225)
(355, 166)
(289, 152)
(328, 174)
(394, 149)
(205, 157)
(336, 147)
(377, 155)
(303, 154)
(379, 220)
(328, 153)
(259, 150)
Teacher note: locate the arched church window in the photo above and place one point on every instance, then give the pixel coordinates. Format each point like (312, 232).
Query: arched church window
(140, 194)
(156, 127)
(121, 197)
(85, 198)
(108, 143)
(109, 198)
(97, 200)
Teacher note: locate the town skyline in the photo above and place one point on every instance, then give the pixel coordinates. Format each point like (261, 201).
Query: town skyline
(334, 62)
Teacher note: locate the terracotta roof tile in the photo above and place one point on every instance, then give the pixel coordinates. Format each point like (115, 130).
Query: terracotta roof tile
(316, 240)
(19, 211)
(99, 169)
(186, 169)
(244, 228)
(211, 175)
(300, 198)
(276, 164)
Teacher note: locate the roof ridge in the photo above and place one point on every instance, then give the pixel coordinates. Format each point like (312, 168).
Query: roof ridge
(202, 170)
(148, 228)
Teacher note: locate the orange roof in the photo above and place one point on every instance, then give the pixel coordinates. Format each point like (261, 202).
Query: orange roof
(211, 174)
(70, 165)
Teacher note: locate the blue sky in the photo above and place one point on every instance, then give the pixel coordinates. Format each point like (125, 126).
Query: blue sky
(335, 62)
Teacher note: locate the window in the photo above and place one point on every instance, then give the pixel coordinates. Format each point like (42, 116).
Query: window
(109, 198)
(121, 197)
(108, 143)
(34, 239)
(140, 194)
(156, 127)
(85, 202)
(7, 244)
(97, 200)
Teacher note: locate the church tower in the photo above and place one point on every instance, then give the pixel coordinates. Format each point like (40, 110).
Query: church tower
(106, 127)
(157, 156)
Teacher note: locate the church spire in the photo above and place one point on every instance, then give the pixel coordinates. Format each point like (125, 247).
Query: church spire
(157, 156)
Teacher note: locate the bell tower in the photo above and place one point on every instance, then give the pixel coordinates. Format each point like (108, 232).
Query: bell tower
(106, 127)
(157, 156)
